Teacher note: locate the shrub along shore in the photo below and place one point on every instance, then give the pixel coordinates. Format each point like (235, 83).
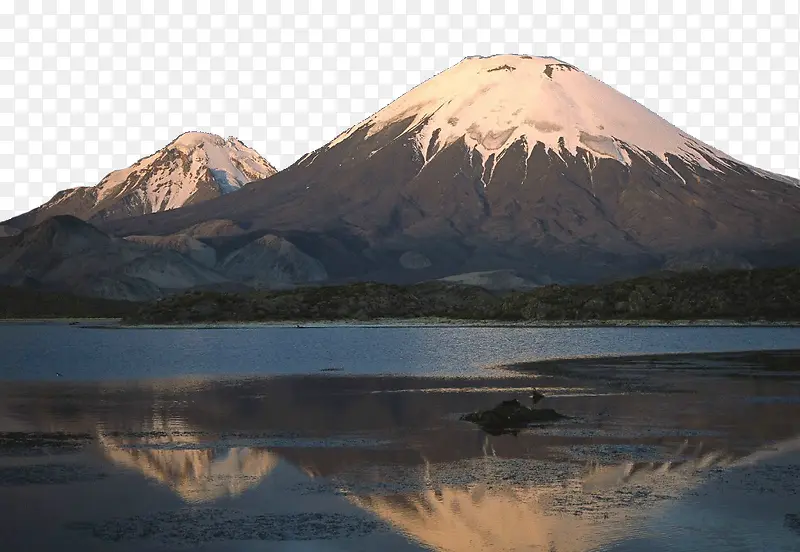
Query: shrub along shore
(741, 295)
(764, 295)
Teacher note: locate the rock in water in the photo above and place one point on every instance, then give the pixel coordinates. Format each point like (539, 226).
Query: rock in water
(509, 416)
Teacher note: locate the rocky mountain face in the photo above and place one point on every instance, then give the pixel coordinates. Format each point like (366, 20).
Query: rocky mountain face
(272, 261)
(6, 231)
(193, 168)
(66, 254)
(511, 163)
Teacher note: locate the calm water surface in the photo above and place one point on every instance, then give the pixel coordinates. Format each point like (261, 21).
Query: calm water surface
(152, 440)
(39, 351)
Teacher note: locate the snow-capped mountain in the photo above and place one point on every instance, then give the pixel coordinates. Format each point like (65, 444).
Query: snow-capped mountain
(506, 100)
(195, 167)
(512, 163)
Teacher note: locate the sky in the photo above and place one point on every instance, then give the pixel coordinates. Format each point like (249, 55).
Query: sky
(87, 87)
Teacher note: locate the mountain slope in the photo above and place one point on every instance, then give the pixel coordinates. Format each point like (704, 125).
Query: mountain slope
(67, 254)
(513, 163)
(193, 168)
(6, 231)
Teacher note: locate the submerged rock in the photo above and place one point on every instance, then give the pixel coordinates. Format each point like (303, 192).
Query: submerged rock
(509, 417)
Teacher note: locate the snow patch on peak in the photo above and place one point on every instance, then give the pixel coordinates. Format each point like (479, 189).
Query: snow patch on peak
(193, 139)
(603, 146)
(172, 176)
(492, 102)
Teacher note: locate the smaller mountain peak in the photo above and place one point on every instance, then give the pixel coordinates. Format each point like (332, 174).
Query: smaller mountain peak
(196, 166)
(195, 138)
(198, 135)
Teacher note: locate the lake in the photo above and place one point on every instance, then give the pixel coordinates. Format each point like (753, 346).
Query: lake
(234, 439)
(39, 351)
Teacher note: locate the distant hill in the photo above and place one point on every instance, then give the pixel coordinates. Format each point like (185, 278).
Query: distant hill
(68, 255)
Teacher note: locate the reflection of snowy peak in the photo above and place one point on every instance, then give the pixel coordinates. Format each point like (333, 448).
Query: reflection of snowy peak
(525, 516)
(197, 473)
(194, 167)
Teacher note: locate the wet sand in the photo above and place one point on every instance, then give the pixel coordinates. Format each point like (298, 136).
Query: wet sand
(679, 452)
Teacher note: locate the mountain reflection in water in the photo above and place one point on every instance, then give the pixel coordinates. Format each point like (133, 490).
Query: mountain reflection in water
(608, 509)
(573, 515)
(600, 507)
(654, 457)
(195, 473)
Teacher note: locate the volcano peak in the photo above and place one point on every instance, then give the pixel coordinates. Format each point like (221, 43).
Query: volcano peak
(497, 101)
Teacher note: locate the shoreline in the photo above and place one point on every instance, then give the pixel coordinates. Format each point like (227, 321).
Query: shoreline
(398, 323)
(699, 357)
(61, 321)
(490, 377)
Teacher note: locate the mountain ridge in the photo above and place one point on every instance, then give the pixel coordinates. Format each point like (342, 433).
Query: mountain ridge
(501, 165)
(65, 254)
(192, 168)
(467, 170)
